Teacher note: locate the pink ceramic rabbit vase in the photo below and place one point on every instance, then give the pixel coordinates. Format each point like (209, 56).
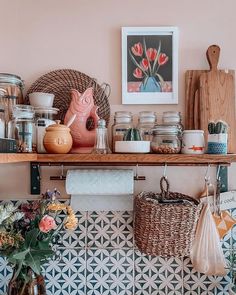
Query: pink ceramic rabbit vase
(82, 105)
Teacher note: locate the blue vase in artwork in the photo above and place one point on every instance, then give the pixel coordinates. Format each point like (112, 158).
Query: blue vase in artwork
(150, 85)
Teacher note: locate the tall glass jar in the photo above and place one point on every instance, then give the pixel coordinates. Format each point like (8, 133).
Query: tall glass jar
(173, 118)
(23, 127)
(146, 123)
(166, 140)
(122, 122)
(2, 122)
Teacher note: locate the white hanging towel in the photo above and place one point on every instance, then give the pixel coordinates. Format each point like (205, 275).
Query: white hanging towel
(100, 182)
(206, 254)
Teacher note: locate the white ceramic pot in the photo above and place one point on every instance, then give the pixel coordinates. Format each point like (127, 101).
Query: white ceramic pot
(41, 99)
(193, 142)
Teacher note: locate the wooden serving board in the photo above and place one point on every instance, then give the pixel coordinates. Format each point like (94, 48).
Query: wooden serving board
(191, 86)
(217, 97)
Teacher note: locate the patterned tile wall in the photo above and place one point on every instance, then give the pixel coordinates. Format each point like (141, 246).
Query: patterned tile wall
(100, 258)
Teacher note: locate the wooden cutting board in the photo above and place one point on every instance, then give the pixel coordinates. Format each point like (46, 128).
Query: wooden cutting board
(217, 97)
(191, 86)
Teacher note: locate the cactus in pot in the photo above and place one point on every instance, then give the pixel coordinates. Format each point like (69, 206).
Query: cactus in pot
(132, 134)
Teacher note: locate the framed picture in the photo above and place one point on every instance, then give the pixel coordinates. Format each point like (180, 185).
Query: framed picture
(149, 65)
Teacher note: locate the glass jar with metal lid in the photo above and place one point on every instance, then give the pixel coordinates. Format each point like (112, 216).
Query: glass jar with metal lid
(166, 140)
(173, 118)
(122, 122)
(146, 123)
(23, 127)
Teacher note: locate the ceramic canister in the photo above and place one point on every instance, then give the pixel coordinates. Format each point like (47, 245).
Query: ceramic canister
(193, 142)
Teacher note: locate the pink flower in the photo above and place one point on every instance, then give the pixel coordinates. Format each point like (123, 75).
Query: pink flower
(138, 73)
(137, 49)
(144, 64)
(151, 54)
(47, 223)
(162, 59)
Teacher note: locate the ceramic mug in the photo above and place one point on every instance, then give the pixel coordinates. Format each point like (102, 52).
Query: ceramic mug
(193, 142)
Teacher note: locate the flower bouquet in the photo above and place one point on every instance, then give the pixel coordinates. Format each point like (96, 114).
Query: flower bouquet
(28, 233)
(148, 62)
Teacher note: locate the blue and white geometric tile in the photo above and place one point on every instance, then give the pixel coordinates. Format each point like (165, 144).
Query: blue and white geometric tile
(68, 275)
(157, 275)
(110, 229)
(5, 275)
(196, 283)
(110, 272)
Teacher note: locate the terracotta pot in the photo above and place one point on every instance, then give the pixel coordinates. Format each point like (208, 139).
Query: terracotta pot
(57, 139)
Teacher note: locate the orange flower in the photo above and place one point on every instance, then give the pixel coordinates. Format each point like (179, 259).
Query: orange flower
(144, 64)
(137, 49)
(138, 73)
(151, 54)
(162, 59)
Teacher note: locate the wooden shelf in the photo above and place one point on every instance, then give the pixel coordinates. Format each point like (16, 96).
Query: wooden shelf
(133, 159)
(16, 158)
(119, 159)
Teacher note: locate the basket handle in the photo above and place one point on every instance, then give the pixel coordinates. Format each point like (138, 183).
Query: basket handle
(164, 182)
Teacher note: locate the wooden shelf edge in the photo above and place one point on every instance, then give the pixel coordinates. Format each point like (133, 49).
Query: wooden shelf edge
(120, 159)
(17, 158)
(142, 159)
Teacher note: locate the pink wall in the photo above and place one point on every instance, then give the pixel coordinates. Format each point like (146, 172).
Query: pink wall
(39, 36)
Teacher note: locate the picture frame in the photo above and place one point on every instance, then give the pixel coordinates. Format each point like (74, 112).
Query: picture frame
(149, 65)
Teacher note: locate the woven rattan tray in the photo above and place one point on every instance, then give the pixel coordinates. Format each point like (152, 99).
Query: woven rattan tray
(60, 82)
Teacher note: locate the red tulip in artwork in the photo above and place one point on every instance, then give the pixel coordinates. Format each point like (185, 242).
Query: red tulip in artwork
(138, 73)
(162, 59)
(137, 49)
(144, 64)
(151, 54)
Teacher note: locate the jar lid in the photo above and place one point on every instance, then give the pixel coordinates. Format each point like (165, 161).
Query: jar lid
(193, 131)
(10, 78)
(123, 114)
(165, 129)
(46, 110)
(171, 114)
(57, 127)
(23, 111)
(147, 116)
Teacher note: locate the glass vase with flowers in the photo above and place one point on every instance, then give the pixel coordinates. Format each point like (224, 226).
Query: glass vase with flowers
(28, 233)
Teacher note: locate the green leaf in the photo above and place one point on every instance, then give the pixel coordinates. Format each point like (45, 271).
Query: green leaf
(31, 238)
(161, 79)
(33, 263)
(20, 255)
(156, 59)
(45, 244)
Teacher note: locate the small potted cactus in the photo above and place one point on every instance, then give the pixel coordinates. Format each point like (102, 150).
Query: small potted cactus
(132, 143)
(217, 137)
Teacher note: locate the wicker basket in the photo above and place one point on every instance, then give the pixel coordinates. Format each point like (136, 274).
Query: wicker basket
(165, 223)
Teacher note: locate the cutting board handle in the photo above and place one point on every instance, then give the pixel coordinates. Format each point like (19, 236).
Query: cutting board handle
(213, 54)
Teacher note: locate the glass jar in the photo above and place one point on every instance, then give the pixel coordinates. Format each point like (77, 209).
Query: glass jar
(2, 122)
(166, 140)
(146, 123)
(122, 122)
(173, 118)
(101, 145)
(44, 117)
(23, 127)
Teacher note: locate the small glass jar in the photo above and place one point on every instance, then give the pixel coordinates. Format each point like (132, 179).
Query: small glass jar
(146, 122)
(23, 127)
(122, 122)
(101, 145)
(173, 118)
(44, 117)
(166, 140)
